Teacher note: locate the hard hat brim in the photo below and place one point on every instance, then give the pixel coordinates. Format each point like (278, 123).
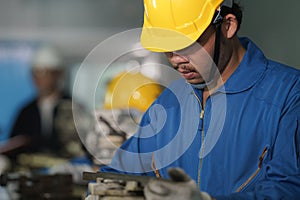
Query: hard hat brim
(166, 40)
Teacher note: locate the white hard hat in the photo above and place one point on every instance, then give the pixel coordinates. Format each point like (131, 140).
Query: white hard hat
(47, 57)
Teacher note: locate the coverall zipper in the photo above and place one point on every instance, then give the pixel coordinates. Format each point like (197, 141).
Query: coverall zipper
(202, 141)
(153, 166)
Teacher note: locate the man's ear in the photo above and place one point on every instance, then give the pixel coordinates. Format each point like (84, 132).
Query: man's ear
(230, 26)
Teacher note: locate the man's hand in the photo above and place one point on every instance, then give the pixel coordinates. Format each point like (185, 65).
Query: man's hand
(181, 187)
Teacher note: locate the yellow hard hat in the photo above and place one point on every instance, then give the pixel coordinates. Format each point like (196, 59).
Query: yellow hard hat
(131, 91)
(171, 25)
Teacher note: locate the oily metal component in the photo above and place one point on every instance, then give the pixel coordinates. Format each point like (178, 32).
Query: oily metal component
(143, 180)
(113, 186)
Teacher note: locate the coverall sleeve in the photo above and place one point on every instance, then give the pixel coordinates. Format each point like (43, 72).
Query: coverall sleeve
(135, 155)
(280, 173)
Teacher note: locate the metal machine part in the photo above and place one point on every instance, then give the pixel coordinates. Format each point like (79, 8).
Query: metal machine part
(40, 186)
(113, 186)
(111, 129)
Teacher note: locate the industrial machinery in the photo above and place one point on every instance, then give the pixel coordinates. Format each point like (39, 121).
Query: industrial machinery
(40, 186)
(112, 186)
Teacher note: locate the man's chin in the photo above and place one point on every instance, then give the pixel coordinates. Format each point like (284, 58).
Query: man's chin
(195, 81)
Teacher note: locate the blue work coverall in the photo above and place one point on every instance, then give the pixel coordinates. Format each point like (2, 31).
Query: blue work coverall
(245, 142)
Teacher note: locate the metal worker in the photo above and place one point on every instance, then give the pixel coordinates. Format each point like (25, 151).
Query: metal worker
(231, 124)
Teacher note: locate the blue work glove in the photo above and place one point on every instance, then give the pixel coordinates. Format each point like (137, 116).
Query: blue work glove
(181, 187)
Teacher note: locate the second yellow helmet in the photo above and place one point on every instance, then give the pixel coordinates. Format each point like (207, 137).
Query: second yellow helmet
(131, 91)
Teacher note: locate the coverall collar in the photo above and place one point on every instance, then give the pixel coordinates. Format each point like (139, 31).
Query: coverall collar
(249, 70)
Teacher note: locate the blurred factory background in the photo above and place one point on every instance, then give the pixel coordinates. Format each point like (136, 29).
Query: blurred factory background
(76, 27)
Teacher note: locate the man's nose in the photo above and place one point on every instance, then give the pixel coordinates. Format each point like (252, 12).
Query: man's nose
(176, 58)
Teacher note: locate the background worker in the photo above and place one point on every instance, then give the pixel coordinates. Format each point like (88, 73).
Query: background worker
(38, 125)
(251, 101)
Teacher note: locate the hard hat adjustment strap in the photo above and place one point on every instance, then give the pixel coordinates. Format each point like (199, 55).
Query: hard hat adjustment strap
(217, 21)
(217, 43)
(218, 17)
